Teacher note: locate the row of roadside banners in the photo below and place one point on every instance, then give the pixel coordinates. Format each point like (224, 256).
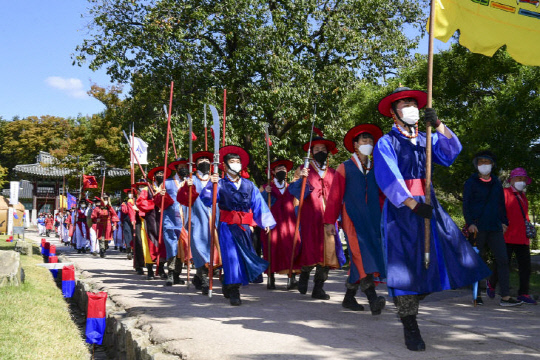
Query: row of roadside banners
(96, 311)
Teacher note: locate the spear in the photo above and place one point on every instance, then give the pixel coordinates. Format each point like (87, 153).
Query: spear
(165, 169)
(190, 164)
(302, 192)
(215, 127)
(427, 222)
(269, 241)
(170, 131)
(224, 114)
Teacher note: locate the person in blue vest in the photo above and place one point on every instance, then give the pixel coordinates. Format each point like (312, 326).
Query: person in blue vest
(354, 195)
(240, 206)
(400, 171)
(200, 219)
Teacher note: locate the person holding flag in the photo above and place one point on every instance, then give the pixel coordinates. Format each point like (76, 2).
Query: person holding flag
(354, 196)
(240, 204)
(400, 170)
(317, 250)
(200, 218)
(283, 211)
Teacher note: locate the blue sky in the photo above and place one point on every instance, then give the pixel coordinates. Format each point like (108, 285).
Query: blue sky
(37, 38)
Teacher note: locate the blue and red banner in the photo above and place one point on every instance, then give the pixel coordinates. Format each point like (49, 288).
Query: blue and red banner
(68, 281)
(96, 317)
(53, 259)
(46, 249)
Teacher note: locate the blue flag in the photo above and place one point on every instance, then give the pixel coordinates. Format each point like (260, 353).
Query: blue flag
(71, 201)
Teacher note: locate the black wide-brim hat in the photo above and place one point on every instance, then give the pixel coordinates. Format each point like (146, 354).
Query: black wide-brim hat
(330, 145)
(152, 173)
(233, 149)
(372, 129)
(401, 93)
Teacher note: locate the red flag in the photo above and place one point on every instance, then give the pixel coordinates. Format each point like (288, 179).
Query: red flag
(89, 182)
(193, 136)
(212, 132)
(268, 140)
(318, 132)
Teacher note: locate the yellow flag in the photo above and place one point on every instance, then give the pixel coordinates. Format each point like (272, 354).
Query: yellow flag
(486, 25)
(63, 202)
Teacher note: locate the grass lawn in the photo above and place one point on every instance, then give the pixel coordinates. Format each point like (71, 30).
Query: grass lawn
(35, 321)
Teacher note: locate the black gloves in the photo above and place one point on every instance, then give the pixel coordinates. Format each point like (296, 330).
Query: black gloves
(431, 117)
(423, 210)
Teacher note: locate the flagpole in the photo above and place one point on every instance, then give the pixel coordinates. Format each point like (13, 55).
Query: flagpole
(427, 222)
(205, 130)
(269, 239)
(138, 163)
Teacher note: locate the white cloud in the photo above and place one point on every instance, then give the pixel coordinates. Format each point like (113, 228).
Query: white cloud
(72, 87)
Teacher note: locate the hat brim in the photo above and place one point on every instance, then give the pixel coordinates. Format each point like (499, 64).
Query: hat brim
(137, 184)
(233, 149)
(330, 145)
(151, 173)
(372, 129)
(172, 166)
(386, 103)
(282, 162)
(127, 191)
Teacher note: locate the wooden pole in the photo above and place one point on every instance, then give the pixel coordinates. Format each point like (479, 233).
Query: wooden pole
(427, 222)
(269, 240)
(165, 170)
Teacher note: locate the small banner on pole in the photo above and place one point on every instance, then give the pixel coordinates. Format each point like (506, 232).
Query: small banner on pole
(68, 281)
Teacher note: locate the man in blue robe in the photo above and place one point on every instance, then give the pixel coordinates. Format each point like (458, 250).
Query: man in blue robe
(400, 170)
(200, 218)
(240, 206)
(354, 196)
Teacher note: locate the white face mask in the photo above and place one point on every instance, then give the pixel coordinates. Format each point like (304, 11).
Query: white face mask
(410, 115)
(520, 185)
(484, 169)
(365, 149)
(236, 167)
(130, 196)
(106, 203)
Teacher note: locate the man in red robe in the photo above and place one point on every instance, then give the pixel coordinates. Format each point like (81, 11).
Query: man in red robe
(317, 249)
(104, 221)
(281, 237)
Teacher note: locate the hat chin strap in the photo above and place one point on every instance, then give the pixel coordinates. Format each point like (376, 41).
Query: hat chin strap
(397, 117)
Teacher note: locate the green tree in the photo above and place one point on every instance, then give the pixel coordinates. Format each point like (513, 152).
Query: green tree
(277, 59)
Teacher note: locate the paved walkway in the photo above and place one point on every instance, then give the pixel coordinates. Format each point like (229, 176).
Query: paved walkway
(284, 324)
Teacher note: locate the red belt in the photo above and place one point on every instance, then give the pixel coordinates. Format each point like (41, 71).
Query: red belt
(236, 217)
(416, 186)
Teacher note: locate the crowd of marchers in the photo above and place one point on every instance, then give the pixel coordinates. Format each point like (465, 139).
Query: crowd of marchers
(226, 227)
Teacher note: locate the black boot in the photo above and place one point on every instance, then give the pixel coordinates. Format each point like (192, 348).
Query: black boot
(176, 279)
(349, 302)
(376, 303)
(197, 282)
(150, 275)
(205, 282)
(102, 253)
(318, 292)
(161, 271)
(234, 291)
(271, 284)
(170, 279)
(139, 271)
(413, 339)
(292, 284)
(303, 283)
(226, 290)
